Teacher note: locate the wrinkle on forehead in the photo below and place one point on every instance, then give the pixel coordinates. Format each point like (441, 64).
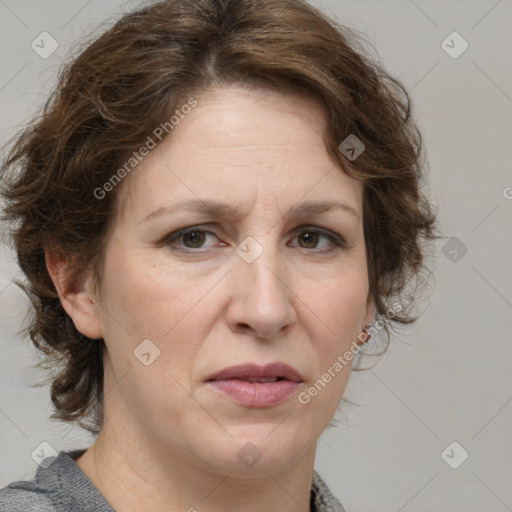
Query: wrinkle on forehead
(220, 142)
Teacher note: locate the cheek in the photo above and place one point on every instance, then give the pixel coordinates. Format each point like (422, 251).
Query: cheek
(339, 308)
(341, 303)
(147, 299)
(145, 303)
(161, 303)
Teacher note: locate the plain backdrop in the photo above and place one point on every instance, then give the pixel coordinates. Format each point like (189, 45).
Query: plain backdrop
(444, 389)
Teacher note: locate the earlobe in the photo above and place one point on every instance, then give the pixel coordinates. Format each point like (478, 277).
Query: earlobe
(369, 317)
(75, 292)
(370, 310)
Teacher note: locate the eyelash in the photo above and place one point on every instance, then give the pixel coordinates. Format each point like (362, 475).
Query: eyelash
(337, 242)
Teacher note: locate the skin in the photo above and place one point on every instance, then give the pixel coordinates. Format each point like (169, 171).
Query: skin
(169, 442)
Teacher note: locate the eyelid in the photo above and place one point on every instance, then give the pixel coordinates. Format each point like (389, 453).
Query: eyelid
(210, 228)
(328, 233)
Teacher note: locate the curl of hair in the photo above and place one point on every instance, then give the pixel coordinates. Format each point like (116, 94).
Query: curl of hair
(126, 82)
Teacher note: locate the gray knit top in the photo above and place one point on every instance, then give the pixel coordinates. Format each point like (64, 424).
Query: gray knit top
(61, 486)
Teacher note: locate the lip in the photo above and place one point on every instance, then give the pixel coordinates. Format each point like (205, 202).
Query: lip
(254, 394)
(249, 370)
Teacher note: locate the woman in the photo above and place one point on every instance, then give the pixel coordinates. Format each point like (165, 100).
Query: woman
(218, 206)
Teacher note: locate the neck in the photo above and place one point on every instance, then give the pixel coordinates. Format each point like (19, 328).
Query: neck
(134, 474)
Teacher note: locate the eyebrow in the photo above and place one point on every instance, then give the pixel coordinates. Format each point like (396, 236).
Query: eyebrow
(224, 210)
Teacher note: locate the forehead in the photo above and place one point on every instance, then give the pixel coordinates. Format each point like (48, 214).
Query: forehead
(235, 141)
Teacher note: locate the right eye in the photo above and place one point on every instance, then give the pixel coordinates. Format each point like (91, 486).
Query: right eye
(191, 238)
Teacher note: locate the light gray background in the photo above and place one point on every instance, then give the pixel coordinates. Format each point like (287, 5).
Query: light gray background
(448, 378)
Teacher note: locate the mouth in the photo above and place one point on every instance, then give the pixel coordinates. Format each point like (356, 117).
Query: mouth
(260, 374)
(252, 379)
(257, 386)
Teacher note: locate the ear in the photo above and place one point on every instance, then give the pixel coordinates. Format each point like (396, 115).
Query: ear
(368, 317)
(75, 292)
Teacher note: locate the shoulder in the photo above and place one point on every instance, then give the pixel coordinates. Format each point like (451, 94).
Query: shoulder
(26, 496)
(322, 499)
(50, 490)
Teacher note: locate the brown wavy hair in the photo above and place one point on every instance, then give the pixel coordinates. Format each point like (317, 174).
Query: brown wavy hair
(115, 90)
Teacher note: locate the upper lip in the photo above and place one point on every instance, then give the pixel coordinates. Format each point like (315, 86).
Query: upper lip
(254, 371)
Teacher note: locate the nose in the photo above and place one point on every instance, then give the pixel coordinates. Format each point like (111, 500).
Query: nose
(261, 296)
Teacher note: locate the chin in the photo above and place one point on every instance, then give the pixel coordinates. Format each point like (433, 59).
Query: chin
(253, 450)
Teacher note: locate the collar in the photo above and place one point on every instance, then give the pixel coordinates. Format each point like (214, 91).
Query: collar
(63, 473)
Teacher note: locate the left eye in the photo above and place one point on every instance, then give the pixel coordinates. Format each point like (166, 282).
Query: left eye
(194, 238)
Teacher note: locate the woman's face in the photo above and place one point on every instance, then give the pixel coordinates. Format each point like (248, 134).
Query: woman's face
(263, 285)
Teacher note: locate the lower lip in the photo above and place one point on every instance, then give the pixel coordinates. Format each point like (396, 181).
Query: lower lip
(256, 394)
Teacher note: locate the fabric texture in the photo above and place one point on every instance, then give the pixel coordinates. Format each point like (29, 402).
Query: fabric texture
(61, 486)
